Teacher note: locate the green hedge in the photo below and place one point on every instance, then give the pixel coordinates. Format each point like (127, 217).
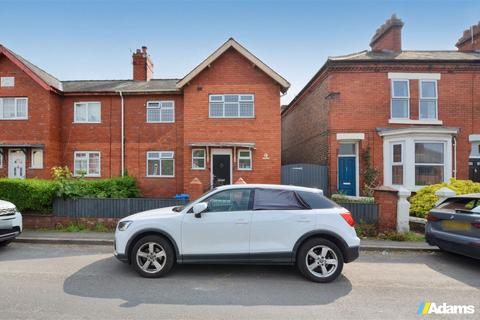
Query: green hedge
(120, 187)
(29, 194)
(425, 199)
(38, 195)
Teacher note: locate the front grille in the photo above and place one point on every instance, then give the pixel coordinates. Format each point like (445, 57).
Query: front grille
(7, 212)
(7, 231)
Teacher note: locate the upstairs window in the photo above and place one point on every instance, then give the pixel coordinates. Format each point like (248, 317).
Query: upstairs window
(400, 104)
(161, 111)
(232, 106)
(87, 163)
(160, 164)
(428, 100)
(13, 108)
(6, 82)
(87, 112)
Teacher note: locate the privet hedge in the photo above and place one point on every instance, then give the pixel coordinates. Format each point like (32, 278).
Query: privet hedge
(425, 199)
(38, 195)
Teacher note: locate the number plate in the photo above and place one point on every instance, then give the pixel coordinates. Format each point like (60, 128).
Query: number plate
(456, 225)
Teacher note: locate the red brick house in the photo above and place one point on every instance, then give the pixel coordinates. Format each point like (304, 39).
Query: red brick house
(218, 123)
(415, 113)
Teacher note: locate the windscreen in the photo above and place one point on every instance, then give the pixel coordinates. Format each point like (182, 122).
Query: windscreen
(460, 204)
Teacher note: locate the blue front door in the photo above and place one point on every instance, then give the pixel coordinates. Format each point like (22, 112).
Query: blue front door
(347, 176)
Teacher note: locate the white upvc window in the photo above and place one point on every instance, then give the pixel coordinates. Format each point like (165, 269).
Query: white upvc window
(198, 159)
(87, 163)
(7, 82)
(400, 102)
(161, 111)
(231, 106)
(397, 163)
(1, 160)
(13, 108)
(37, 159)
(160, 164)
(429, 163)
(244, 160)
(428, 104)
(87, 112)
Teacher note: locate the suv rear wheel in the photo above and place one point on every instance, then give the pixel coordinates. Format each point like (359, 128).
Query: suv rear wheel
(152, 256)
(320, 260)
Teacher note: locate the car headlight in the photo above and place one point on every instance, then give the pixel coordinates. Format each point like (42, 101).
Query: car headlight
(123, 225)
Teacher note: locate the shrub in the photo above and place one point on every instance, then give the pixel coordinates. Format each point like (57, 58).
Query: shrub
(29, 194)
(425, 199)
(72, 187)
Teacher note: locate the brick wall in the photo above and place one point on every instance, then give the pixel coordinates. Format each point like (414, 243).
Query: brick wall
(305, 128)
(232, 73)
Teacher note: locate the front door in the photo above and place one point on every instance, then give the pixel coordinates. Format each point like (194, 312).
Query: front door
(16, 164)
(221, 167)
(474, 169)
(347, 176)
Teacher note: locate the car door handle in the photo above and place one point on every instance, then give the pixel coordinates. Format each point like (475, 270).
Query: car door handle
(241, 221)
(303, 220)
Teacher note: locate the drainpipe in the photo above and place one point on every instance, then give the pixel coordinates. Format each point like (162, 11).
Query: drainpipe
(454, 157)
(122, 126)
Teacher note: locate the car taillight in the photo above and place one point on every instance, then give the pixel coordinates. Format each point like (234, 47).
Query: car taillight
(347, 216)
(431, 217)
(476, 225)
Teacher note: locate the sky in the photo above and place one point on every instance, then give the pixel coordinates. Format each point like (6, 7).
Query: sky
(94, 39)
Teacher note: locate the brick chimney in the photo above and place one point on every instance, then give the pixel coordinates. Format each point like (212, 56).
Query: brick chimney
(470, 41)
(389, 36)
(142, 65)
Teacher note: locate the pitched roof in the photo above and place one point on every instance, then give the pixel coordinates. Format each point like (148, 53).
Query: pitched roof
(44, 76)
(156, 85)
(445, 55)
(231, 43)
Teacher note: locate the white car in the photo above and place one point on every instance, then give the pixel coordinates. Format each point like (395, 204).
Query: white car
(10, 222)
(250, 223)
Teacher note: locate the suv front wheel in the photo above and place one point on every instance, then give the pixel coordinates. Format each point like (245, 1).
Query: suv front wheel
(152, 256)
(320, 260)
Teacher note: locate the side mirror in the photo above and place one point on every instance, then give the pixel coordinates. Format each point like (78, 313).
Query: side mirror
(198, 208)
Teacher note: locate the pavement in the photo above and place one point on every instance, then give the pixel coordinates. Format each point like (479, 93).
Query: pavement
(53, 281)
(106, 238)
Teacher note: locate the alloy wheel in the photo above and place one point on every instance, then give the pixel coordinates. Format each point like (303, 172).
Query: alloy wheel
(321, 261)
(151, 257)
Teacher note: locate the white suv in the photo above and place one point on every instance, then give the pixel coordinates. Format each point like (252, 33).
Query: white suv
(261, 224)
(10, 222)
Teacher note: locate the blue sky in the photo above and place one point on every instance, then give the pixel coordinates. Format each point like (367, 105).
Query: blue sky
(93, 39)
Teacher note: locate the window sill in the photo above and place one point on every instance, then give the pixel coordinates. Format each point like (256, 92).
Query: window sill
(159, 177)
(410, 121)
(199, 168)
(160, 122)
(86, 122)
(35, 168)
(244, 169)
